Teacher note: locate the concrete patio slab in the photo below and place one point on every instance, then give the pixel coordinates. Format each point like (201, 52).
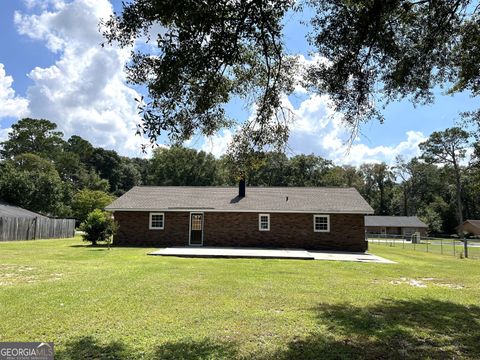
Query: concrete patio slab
(217, 252)
(300, 254)
(344, 256)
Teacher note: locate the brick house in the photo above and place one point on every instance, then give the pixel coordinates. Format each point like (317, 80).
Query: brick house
(268, 217)
(395, 225)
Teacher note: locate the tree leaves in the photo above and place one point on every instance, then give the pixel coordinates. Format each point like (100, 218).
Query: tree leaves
(372, 52)
(377, 51)
(207, 52)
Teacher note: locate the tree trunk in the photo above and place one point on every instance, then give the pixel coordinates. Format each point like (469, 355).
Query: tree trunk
(381, 205)
(460, 208)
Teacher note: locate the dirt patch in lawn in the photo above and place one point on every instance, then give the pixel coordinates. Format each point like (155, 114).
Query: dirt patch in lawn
(425, 282)
(24, 274)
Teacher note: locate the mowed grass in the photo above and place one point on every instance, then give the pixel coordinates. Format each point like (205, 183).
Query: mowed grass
(439, 246)
(95, 303)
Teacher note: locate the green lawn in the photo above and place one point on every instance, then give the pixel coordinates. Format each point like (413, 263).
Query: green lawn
(96, 303)
(439, 246)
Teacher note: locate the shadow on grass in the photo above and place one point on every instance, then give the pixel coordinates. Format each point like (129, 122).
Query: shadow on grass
(392, 330)
(90, 246)
(189, 349)
(389, 330)
(88, 348)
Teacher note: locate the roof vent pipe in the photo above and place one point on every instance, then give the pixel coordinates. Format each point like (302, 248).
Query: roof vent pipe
(241, 188)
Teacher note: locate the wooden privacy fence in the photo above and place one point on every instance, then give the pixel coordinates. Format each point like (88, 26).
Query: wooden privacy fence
(17, 228)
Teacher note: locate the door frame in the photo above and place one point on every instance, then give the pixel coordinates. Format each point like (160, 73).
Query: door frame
(190, 227)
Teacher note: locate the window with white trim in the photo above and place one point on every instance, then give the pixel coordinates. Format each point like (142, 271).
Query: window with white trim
(157, 221)
(321, 223)
(264, 222)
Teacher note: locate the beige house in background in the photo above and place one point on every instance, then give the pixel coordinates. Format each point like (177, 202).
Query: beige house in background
(395, 225)
(470, 227)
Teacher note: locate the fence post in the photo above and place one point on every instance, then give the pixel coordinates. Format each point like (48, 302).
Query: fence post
(403, 243)
(453, 247)
(426, 240)
(35, 228)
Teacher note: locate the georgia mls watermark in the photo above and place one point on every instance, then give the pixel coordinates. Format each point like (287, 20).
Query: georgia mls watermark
(26, 351)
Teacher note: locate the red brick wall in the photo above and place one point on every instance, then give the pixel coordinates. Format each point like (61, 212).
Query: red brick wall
(394, 230)
(134, 229)
(241, 229)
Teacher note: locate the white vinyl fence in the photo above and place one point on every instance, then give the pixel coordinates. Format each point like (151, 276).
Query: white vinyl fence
(17, 228)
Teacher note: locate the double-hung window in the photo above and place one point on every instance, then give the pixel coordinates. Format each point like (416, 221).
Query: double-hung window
(321, 223)
(264, 222)
(157, 221)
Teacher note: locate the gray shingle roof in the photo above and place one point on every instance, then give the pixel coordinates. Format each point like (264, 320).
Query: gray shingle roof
(7, 210)
(177, 198)
(394, 221)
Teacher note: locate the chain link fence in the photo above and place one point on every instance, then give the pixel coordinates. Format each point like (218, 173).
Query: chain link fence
(436, 245)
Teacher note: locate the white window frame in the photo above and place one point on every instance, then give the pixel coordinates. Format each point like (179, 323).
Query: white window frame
(150, 221)
(260, 222)
(321, 216)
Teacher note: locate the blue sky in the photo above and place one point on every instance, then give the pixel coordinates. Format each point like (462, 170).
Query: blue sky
(52, 66)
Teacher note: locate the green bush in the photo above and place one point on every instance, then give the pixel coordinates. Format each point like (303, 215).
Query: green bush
(99, 226)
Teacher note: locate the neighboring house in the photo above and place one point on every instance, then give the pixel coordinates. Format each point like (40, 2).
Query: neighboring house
(395, 225)
(470, 227)
(281, 217)
(12, 211)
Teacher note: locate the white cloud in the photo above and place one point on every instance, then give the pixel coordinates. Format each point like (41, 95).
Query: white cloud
(218, 144)
(67, 26)
(319, 130)
(85, 90)
(408, 148)
(10, 104)
(45, 4)
(304, 63)
(4, 134)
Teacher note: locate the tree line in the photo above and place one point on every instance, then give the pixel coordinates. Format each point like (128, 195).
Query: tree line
(43, 172)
